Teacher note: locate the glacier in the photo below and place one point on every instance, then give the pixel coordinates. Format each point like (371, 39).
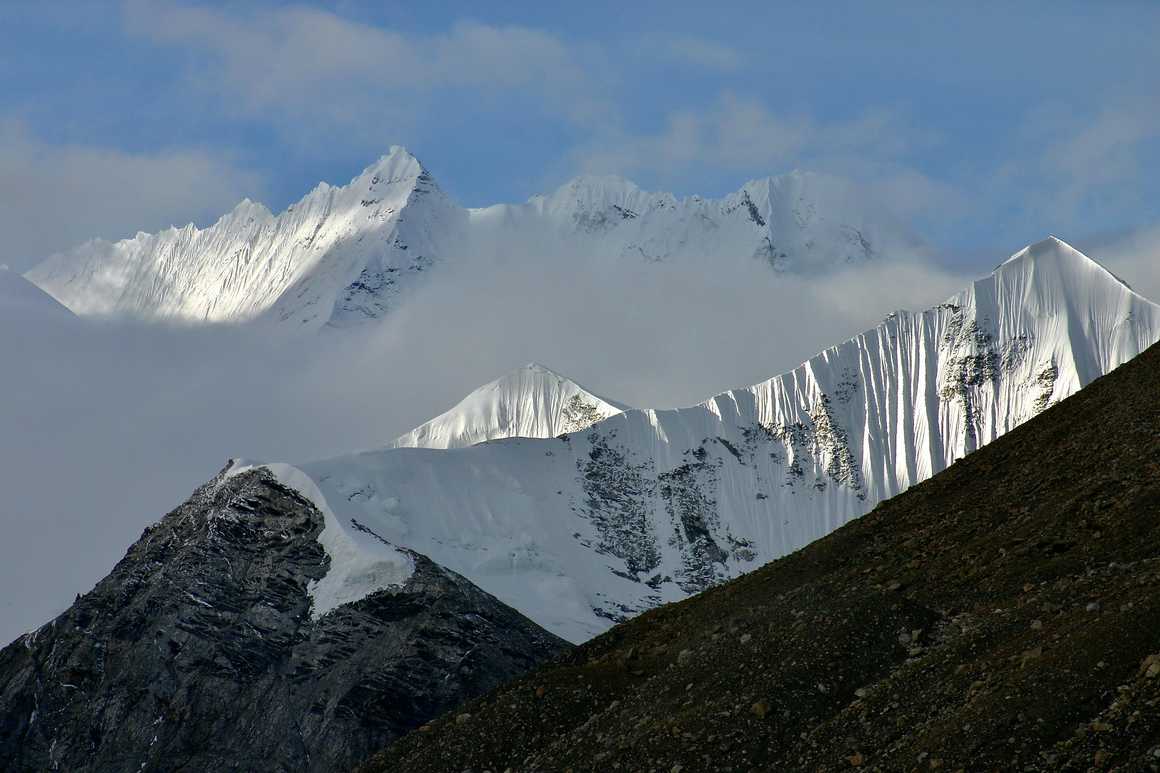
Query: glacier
(348, 254)
(644, 507)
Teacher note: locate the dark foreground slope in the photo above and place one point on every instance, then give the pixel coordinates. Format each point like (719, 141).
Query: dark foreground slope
(1004, 615)
(198, 651)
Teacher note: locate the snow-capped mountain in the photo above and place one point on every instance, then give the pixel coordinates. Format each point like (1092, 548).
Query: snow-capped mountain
(649, 506)
(339, 255)
(214, 645)
(347, 254)
(532, 401)
(801, 222)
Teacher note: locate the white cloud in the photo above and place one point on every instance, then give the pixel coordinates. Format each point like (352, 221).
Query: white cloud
(743, 135)
(734, 134)
(1080, 170)
(56, 196)
(1105, 149)
(325, 71)
(739, 133)
(1135, 258)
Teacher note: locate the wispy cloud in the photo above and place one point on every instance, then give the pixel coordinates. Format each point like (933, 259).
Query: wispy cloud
(745, 135)
(1081, 169)
(1134, 257)
(319, 71)
(56, 196)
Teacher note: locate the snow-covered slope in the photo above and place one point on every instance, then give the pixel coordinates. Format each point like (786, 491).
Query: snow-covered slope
(532, 401)
(22, 302)
(340, 255)
(801, 222)
(347, 254)
(648, 506)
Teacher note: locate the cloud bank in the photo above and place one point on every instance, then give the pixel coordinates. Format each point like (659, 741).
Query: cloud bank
(330, 73)
(107, 426)
(57, 196)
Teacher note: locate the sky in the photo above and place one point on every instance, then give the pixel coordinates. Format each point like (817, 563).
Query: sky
(989, 126)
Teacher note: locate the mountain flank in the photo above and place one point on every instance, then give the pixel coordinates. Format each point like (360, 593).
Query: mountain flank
(1003, 615)
(645, 507)
(199, 650)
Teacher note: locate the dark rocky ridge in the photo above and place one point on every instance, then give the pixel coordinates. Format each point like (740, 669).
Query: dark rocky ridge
(198, 652)
(1004, 615)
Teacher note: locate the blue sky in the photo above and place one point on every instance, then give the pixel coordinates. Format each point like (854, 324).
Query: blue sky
(987, 128)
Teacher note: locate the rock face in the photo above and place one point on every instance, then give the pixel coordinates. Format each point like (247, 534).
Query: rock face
(1004, 615)
(199, 651)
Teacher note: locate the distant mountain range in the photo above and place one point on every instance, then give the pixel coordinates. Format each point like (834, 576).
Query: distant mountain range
(344, 255)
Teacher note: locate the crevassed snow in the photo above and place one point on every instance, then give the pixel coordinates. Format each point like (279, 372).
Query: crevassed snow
(342, 255)
(360, 563)
(532, 401)
(649, 506)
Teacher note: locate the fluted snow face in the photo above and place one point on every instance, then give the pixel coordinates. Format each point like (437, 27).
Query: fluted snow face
(339, 255)
(650, 506)
(344, 255)
(532, 401)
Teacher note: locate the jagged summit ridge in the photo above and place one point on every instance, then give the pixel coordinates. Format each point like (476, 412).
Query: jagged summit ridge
(649, 506)
(338, 255)
(347, 254)
(531, 401)
(799, 222)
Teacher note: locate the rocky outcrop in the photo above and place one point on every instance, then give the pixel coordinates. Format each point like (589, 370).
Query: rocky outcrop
(199, 651)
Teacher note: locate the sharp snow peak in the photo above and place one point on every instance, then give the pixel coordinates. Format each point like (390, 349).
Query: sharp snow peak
(532, 402)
